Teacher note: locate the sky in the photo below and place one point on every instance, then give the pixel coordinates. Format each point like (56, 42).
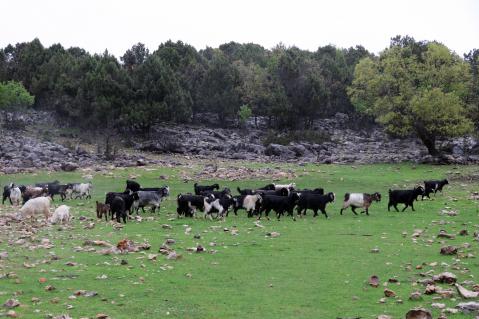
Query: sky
(116, 25)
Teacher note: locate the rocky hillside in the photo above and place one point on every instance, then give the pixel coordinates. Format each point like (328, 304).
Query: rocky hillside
(23, 150)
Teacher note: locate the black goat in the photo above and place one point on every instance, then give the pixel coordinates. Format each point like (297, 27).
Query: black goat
(58, 189)
(127, 196)
(118, 209)
(279, 204)
(132, 185)
(314, 202)
(6, 193)
(199, 188)
(406, 197)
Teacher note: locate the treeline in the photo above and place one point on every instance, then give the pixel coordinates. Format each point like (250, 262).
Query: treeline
(288, 86)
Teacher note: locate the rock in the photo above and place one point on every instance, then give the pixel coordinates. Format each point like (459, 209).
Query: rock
(448, 250)
(415, 296)
(418, 313)
(11, 303)
(445, 277)
(279, 151)
(384, 317)
(69, 167)
(389, 293)
(471, 307)
(466, 293)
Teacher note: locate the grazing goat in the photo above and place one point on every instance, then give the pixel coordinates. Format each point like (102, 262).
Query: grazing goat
(289, 186)
(251, 203)
(200, 189)
(279, 204)
(33, 192)
(37, 205)
(356, 200)
(132, 185)
(15, 195)
(314, 202)
(102, 209)
(406, 197)
(118, 209)
(433, 187)
(61, 215)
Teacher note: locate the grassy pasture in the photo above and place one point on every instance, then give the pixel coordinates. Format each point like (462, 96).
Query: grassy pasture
(316, 268)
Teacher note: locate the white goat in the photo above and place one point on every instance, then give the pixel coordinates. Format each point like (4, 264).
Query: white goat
(36, 205)
(15, 195)
(61, 215)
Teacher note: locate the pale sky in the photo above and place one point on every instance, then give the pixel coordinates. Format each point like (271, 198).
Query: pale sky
(117, 24)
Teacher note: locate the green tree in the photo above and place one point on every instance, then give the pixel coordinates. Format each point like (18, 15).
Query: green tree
(414, 88)
(473, 100)
(244, 114)
(14, 97)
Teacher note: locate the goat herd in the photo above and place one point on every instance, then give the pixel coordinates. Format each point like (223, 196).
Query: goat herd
(214, 203)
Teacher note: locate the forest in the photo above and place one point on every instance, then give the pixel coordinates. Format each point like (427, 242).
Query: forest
(411, 87)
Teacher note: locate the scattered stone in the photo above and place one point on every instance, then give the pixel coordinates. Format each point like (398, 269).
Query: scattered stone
(389, 293)
(418, 313)
(448, 250)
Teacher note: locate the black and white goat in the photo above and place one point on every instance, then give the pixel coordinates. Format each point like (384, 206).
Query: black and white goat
(433, 186)
(359, 200)
(251, 203)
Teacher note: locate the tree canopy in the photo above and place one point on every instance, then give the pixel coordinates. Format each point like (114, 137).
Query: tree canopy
(415, 88)
(287, 86)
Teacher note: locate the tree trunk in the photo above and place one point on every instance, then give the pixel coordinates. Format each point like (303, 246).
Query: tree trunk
(430, 143)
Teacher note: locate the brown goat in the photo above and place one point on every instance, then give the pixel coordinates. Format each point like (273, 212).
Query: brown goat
(102, 209)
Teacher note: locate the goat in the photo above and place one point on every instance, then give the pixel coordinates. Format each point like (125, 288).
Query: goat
(127, 196)
(356, 200)
(433, 186)
(251, 203)
(102, 209)
(315, 202)
(289, 186)
(57, 189)
(149, 198)
(33, 192)
(188, 204)
(132, 185)
(118, 209)
(279, 204)
(36, 205)
(61, 215)
(80, 189)
(6, 193)
(199, 188)
(15, 195)
(406, 197)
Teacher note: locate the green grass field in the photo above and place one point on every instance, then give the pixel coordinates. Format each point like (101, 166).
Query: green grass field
(316, 268)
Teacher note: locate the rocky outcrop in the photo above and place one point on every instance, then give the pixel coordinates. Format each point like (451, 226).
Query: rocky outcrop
(21, 152)
(345, 145)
